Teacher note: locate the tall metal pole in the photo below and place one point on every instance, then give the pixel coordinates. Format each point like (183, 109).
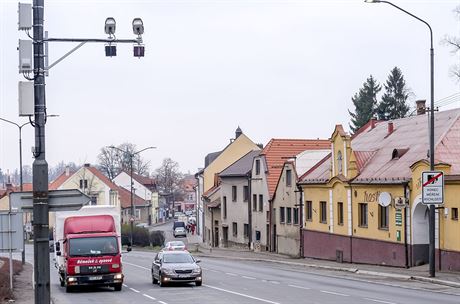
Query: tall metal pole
(40, 166)
(132, 196)
(431, 232)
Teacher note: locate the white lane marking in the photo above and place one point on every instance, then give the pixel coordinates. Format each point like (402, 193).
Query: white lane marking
(379, 301)
(335, 293)
(136, 265)
(135, 290)
(300, 287)
(274, 282)
(241, 294)
(249, 278)
(152, 298)
(124, 285)
(162, 302)
(231, 274)
(213, 270)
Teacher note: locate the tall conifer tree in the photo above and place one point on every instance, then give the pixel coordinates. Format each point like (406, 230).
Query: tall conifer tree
(393, 104)
(365, 102)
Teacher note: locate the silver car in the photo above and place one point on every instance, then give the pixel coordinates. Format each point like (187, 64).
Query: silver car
(175, 245)
(180, 231)
(176, 266)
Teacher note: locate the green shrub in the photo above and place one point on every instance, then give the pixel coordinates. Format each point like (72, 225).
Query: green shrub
(157, 238)
(140, 235)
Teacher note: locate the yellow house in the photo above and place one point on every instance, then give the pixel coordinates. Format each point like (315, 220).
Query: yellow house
(238, 147)
(362, 203)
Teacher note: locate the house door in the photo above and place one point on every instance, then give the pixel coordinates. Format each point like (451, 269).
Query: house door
(225, 236)
(275, 244)
(420, 235)
(216, 237)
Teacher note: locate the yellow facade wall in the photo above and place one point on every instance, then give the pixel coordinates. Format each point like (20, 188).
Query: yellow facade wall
(316, 194)
(238, 148)
(449, 228)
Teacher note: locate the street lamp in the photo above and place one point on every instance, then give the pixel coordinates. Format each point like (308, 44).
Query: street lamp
(131, 157)
(432, 208)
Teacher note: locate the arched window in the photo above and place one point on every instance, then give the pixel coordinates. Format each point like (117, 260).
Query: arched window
(339, 162)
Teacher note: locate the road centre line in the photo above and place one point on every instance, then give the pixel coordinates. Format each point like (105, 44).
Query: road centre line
(335, 293)
(241, 294)
(249, 278)
(300, 287)
(379, 301)
(135, 290)
(152, 298)
(231, 274)
(162, 302)
(136, 265)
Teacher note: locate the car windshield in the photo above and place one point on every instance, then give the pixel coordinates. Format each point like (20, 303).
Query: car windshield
(93, 246)
(177, 258)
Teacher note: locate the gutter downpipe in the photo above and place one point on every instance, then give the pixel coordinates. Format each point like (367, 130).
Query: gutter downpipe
(249, 210)
(406, 249)
(351, 216)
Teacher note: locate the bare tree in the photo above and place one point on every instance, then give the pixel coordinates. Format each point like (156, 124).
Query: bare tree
(168, 176)
(112, 161)
(454, 43)
(55, 171)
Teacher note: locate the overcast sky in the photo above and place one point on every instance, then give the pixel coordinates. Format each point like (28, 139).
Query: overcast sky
(277, 69)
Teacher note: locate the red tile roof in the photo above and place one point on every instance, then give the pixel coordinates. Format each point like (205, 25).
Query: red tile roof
(144, 180)
(125, 198)
(277, 151)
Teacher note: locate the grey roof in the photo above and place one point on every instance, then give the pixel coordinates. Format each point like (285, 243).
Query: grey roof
(241, 167)
(210, 158)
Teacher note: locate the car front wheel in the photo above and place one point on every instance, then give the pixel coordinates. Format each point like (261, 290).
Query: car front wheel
(160, 281)
(198, 283)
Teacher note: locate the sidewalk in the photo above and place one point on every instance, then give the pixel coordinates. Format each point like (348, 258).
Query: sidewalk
(419, 273)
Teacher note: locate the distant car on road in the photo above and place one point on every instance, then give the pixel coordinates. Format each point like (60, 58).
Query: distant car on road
(142, 225)
(175, 266)
(175, 245)
(179, 231)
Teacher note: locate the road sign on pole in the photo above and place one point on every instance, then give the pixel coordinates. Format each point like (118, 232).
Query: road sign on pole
(432, 187)
(58, 200)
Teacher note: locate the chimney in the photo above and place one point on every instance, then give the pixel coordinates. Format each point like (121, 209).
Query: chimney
(373, 122)
(87, 165)
(67, 171)
(421, 107)
(390, 127)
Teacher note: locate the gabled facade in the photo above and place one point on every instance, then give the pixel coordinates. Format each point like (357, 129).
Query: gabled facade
(363, 202)
(215, 163)
(234, 186)
(145, 188)
(265, 174)
(286, 214)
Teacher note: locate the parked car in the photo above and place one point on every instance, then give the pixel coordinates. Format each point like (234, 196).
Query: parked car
(180, 231)
(175, 245)
(175, 266)
(178, 224)
(142, 225)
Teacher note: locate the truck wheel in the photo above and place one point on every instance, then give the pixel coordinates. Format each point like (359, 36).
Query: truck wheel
(117, 287)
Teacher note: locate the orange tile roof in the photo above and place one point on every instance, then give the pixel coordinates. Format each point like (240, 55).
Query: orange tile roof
(103, 178)
(55, 184)
(277, 151)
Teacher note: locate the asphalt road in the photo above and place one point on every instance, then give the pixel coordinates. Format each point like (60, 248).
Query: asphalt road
(231, 281)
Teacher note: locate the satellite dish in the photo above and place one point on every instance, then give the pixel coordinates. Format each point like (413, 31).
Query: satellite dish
(384, 199)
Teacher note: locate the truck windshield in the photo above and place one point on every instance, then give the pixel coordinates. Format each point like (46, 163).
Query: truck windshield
(93, 246)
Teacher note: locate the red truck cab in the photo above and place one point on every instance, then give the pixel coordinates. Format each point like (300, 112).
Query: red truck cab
(91, 252)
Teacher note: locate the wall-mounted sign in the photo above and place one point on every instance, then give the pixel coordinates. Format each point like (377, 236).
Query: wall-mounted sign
(400, 203)
(398, 218)
(432, 187)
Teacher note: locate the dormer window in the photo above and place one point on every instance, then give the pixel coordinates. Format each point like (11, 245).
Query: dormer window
(339, 162)
(398, 153)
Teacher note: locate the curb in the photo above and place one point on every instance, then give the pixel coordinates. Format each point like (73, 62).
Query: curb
(344, 269)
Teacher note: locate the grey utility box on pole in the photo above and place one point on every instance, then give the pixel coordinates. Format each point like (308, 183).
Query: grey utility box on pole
(25, 16)
(26, 98)
(25, 56)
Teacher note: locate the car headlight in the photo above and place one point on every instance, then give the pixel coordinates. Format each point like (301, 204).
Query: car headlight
(196, 271)
(118, 276)
(167, 271)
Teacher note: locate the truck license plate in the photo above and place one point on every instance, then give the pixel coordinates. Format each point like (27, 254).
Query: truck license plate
(95, 278)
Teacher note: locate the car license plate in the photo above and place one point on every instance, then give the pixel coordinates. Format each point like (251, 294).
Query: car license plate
(95, 278)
